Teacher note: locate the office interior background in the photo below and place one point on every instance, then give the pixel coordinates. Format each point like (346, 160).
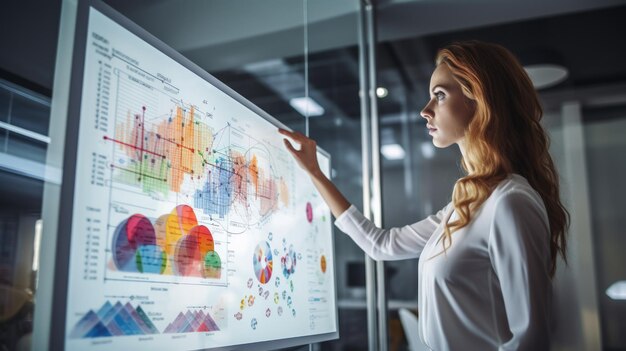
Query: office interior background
(273, 51)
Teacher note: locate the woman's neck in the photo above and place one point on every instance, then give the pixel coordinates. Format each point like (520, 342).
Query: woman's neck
(461, 144)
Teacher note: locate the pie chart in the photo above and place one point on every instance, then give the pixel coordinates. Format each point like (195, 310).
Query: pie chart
(262, 262)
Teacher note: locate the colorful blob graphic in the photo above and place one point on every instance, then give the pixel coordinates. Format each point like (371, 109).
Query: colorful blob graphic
(174, 245)
(309, 212)
(212, 265)
(150, 259)
(323, 263)
(262, 262)
(288, 262)
(253, 323)
(132, 233)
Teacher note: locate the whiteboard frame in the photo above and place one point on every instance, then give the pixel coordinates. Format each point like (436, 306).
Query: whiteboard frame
(64, 231)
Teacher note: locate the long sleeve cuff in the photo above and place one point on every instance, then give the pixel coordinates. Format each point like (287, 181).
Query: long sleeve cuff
(343, 220)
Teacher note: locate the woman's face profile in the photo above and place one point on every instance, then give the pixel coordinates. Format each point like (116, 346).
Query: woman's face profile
(449, 111)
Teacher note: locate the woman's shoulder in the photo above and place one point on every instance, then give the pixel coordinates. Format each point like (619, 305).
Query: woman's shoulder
(516, 186)
(514, 201)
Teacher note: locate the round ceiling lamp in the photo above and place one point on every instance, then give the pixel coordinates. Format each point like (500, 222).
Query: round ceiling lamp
(545, 75)
(545, 67)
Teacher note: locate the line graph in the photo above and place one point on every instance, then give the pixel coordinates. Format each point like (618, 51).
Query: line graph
(222, 171)
(168, 151)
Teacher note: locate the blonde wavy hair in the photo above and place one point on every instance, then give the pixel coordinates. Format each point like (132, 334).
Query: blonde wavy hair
(504, 136)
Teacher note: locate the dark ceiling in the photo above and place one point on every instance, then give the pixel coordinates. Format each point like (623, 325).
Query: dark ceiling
(590, 44)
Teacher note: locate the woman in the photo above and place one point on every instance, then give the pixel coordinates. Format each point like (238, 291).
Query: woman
(487, 258)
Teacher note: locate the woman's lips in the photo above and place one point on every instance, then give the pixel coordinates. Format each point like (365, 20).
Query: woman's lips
(431, 129)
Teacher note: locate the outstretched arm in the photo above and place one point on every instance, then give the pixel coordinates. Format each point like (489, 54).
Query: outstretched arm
(379, 244)
(306, 157)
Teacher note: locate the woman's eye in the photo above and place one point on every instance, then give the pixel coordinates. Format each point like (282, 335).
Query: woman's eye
(440, 96)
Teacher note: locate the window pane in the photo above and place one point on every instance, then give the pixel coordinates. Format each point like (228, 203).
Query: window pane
(30, 114)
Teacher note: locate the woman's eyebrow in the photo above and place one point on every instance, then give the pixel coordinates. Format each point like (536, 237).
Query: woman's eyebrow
(439, 86)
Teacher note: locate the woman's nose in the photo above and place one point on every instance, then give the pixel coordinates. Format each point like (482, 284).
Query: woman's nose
(426, 112)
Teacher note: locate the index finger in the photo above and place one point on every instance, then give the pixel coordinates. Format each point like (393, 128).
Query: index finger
(293, 135)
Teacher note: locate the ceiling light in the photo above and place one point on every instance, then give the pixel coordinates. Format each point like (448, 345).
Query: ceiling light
(428, 150)
(306, 106)
(392, 151)
(381, 92)
(545, 75)
(617, 291)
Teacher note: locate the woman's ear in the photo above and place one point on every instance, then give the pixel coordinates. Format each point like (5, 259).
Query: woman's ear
(471, 104)
(468, 94)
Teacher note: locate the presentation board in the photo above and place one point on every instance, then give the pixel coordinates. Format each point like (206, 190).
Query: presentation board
(188, 225)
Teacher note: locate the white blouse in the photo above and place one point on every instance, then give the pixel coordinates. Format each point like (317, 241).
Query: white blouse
(491, 290)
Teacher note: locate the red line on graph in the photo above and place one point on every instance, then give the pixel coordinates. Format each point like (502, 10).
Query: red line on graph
(133, 146)
(179, 145)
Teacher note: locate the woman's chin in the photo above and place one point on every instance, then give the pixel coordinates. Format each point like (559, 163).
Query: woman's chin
(441, 144)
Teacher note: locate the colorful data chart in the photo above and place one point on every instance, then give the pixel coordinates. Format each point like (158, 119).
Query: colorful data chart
(262, 262)
(158, 155)
(114, 320)
(174, 245)
(192, 322)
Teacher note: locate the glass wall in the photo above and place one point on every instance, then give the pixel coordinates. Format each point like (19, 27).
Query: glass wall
(584, 115)
(24, 116)
(605, 147)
